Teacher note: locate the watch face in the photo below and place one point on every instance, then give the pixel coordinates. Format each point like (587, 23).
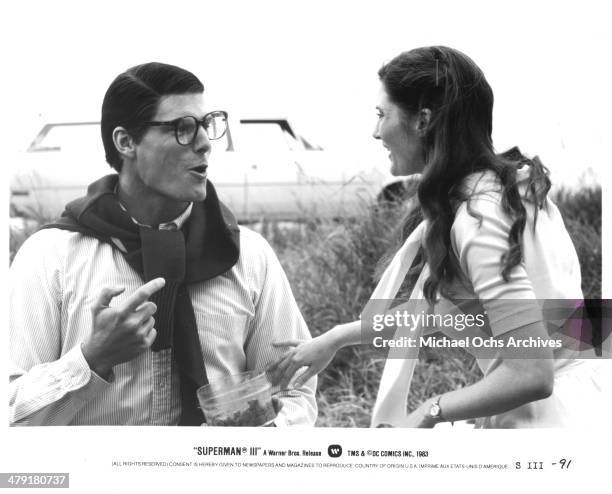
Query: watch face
(434, 411)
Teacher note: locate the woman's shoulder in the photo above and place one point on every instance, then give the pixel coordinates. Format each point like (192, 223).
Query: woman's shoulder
(487, 184)
(480, 194)
(480, 213)
(484, 184)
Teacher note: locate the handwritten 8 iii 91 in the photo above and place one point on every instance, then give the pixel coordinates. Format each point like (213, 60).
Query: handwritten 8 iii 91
(562, 464)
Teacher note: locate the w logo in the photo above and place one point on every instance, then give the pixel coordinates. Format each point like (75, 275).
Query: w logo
(334, 450)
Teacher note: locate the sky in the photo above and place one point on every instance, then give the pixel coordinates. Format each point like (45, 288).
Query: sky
(315, 63)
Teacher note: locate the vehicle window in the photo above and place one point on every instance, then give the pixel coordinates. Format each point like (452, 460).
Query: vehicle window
(69, 137)
(266, 136)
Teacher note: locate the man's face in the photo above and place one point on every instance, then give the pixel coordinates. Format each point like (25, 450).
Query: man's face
(165, 169)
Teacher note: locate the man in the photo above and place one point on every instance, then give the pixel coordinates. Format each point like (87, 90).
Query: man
(85, 348)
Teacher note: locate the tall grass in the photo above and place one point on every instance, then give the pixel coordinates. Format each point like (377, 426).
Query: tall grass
(331, 266)
(581, 210)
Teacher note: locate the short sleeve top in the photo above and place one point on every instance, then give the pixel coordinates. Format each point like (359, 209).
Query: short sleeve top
(480, 237)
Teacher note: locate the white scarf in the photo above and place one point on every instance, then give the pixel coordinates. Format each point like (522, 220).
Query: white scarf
(390, 406)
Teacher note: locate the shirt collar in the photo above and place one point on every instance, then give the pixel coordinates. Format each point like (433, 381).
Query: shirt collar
(175, 224)
(178, 222)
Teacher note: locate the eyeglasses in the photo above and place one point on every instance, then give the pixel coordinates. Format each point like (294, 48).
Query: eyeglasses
(186, 128)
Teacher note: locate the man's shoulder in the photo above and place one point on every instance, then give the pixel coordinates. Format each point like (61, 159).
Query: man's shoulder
(250, 240)
(255, 251)
(43, 251)
(52, 242)
(50, 237)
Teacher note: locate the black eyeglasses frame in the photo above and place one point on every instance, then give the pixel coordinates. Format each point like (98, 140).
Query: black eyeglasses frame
(200, 123)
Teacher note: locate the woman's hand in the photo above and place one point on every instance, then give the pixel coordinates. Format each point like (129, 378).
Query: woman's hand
(315, 354)
(420, 417)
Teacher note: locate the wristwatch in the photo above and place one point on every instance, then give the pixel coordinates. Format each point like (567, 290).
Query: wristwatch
(435, 412)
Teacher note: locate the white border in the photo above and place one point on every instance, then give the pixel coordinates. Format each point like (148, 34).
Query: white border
(555, 56)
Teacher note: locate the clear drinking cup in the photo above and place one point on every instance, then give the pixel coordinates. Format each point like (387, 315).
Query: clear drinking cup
(239, 400)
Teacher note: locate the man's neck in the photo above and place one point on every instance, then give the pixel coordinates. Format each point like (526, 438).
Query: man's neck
(147, 208)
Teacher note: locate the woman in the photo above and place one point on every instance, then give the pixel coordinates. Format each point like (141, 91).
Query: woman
(489, 234)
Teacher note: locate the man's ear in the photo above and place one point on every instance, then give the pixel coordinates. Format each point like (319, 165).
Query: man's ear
(422, 122)
(124, 143)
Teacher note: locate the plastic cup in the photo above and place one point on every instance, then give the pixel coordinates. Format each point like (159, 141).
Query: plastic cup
(243, 400)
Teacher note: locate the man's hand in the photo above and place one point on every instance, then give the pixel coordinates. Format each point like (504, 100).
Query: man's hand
(121, 333)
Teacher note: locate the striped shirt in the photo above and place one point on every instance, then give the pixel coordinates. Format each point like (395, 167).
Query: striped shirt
(54, 280)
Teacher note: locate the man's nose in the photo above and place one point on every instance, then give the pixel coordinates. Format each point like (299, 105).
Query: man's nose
(201, 144)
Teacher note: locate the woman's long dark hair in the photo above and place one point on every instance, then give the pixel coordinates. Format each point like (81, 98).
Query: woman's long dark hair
(457, 143)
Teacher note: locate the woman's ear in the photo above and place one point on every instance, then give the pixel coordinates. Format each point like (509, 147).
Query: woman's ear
(423, 121)
(124, 143)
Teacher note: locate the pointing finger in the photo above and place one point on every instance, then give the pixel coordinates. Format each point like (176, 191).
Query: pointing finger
(142, 294)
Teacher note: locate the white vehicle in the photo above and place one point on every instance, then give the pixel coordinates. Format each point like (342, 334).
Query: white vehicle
(261, 169)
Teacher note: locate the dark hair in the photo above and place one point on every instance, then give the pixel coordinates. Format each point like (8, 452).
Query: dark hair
(457, 143)
(133, 98)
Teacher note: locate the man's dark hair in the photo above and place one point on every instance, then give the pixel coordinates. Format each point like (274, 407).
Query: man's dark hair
(133, 98)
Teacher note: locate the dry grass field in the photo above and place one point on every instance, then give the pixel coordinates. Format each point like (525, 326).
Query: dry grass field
(331, 266)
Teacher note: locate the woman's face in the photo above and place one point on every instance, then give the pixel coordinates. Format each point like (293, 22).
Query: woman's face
(398, 132)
